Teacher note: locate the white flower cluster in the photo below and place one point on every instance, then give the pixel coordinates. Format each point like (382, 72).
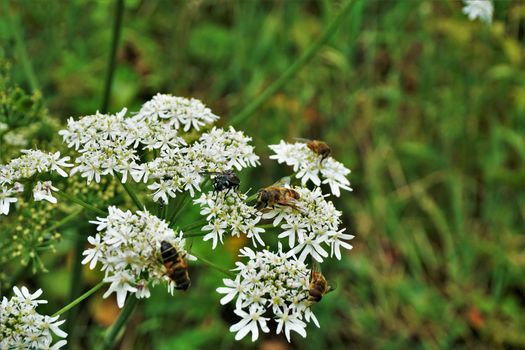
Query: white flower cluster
(32, 162)
(109, 143)
(269, 284)
(128, 247)
(104, 144)
(216, 150)
(313, 224)
(177, 111)
(482, 9)
(309, 166)
(227, 210)
(22, 327)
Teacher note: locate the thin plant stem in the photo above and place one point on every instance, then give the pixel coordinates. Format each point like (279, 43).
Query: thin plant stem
(194, 234)
(194, 225)
(310, 52)
(79, 299)
(65, 220)
(182, 204)
(131, 193)
(126, 312)
(75, 284)
(14, 27)
(180, 208)
(213, 265)
(117, 25)
(80, 202)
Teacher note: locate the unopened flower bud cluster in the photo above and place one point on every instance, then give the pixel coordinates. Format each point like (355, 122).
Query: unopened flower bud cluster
(128, 248)
(22, 327)
(269, 285)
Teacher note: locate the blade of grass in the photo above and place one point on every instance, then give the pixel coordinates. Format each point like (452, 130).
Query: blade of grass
(14, 28)
(310, 52)
(117, 25)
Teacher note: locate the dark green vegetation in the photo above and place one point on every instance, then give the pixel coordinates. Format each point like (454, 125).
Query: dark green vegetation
(425, 107)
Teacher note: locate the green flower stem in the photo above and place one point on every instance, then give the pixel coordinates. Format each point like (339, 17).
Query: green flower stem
(193, 225)
(117, 25)
(126, 312)
(213, 265)
(14, 27)
(178, 207)
(310, 52)
(79, 299)
(64, 220)
(131, 193)
(80, 202)
(194, 234)
(182, 204)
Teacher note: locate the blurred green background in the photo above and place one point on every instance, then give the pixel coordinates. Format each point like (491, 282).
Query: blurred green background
(426, 108)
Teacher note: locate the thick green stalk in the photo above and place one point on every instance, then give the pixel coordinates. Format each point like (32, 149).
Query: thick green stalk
(65, 220)
(14, 27)
(75, 284)
(195, 234)
(194, 225)
(310, 52)
(119, 323)
(180, 207)
(117, 25)
(81, 202)
(213, 265)
(131, 193)
(79, 299)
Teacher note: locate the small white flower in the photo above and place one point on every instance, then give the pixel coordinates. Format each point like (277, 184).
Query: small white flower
(289, 323)
(337, 240)
(6, 200)
(42, 191)
(482, 9)
(250, 322)
(232, 289)
(121, 285)
(93, 254)
(216, 232)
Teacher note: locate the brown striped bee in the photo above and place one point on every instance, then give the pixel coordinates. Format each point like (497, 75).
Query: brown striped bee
(320, 148)
(176, 266)
(277, 195)
(318, 286)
